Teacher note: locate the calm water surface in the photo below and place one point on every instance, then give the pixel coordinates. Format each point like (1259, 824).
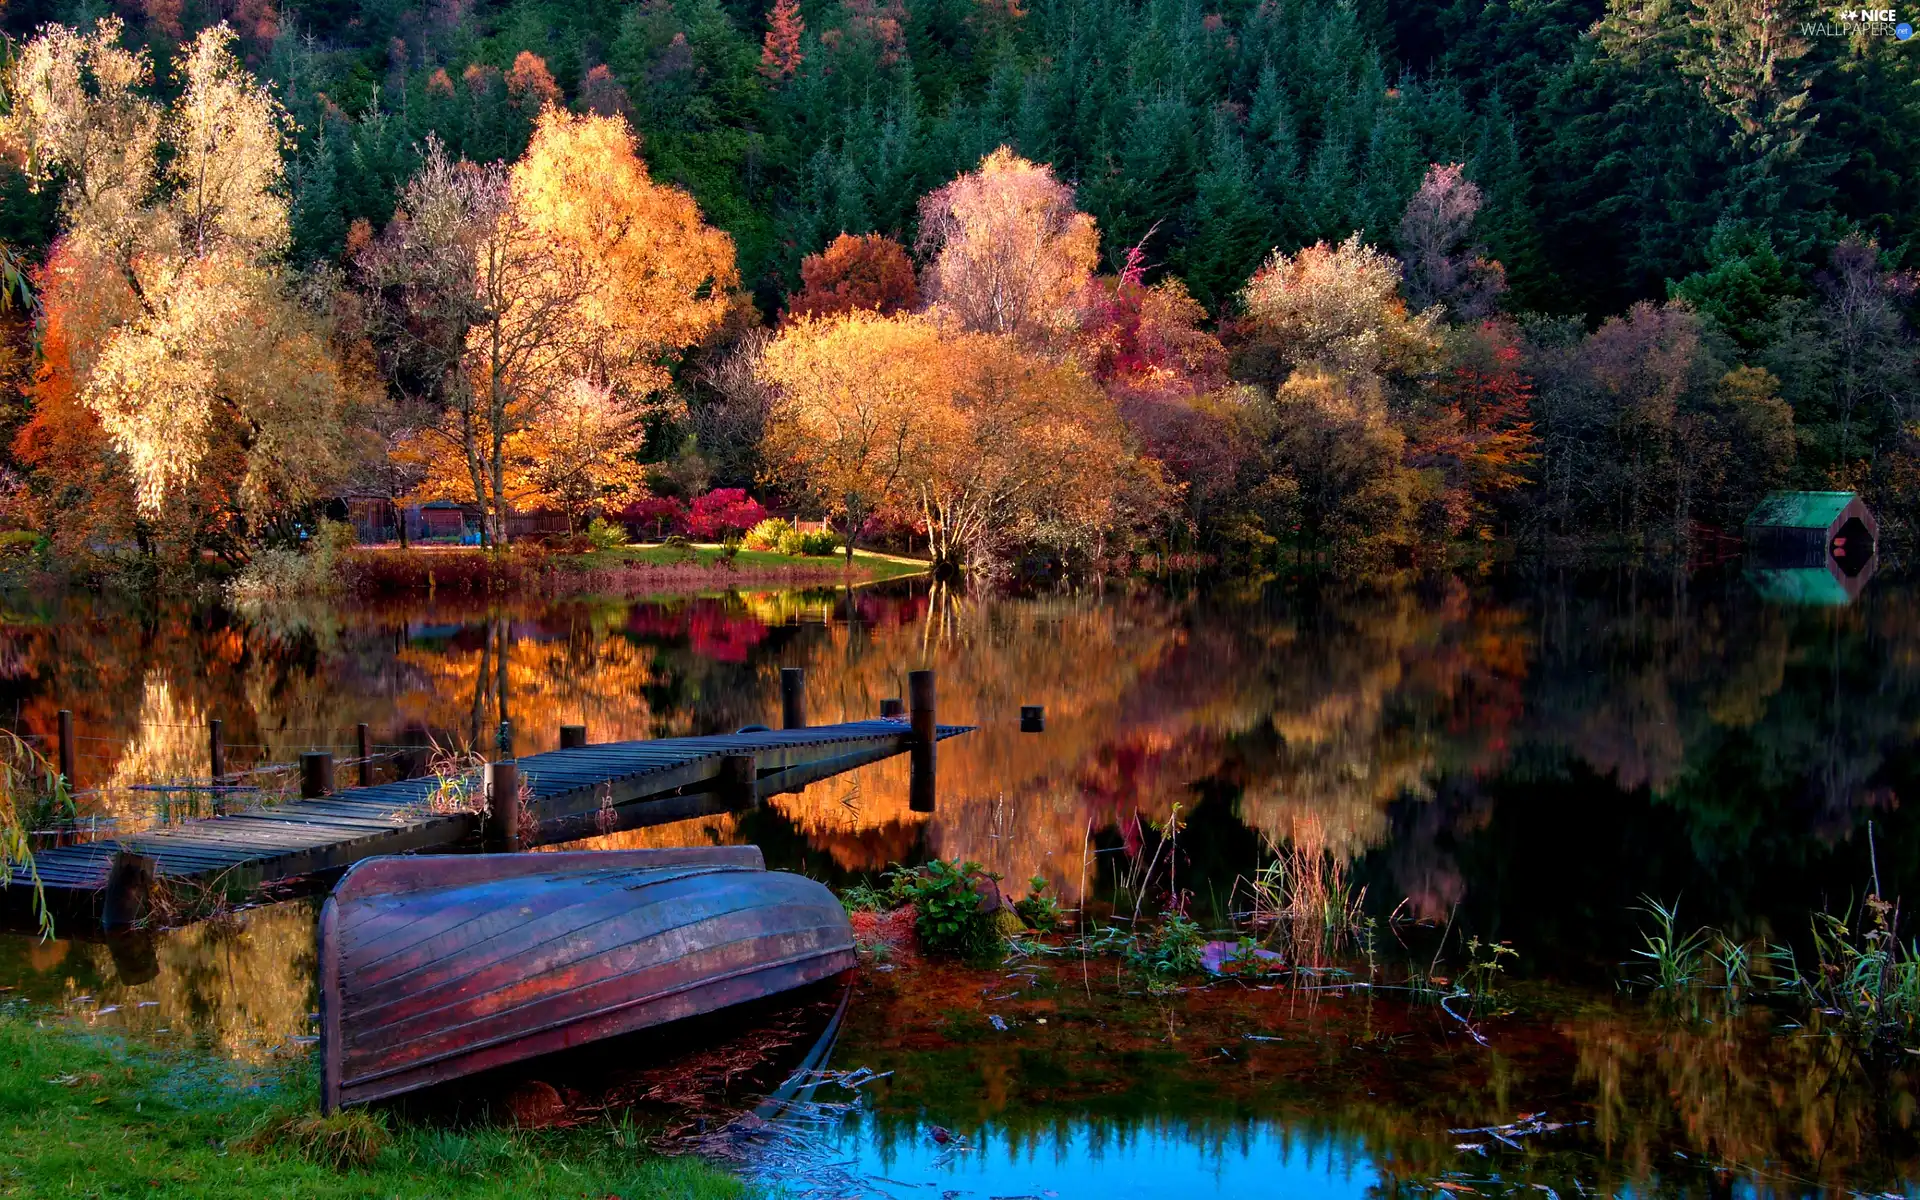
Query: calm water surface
(1522, 756)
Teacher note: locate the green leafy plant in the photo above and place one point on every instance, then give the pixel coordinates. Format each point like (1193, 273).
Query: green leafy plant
(1863, 974)
(1675, 960)
(812, 544)
(948, 911)
(865, 897)
(1486, 962)
(1173, 948)
(603, 534)
(1039, 910)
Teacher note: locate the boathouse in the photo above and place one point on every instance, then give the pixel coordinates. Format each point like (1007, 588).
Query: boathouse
(1810, 529)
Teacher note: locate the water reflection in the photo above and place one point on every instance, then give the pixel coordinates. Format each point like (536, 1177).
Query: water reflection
(1521, 755)
(1419, 730)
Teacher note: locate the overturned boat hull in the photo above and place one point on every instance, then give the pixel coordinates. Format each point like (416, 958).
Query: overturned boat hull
(437, 967)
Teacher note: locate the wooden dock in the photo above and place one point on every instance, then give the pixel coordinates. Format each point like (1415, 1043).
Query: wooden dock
(575, 793)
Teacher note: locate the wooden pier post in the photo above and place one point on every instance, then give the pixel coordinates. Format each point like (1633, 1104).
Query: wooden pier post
(66, 746)
(316, 774)
(892, 708)
(217, 751)
(923, 756)
(502, 833)
(366, 754)
(129, 887)
(793, 697)
(572, 737)
(1033, 718)
(740, 780)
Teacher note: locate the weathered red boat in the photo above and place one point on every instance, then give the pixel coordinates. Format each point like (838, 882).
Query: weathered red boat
(439, 966)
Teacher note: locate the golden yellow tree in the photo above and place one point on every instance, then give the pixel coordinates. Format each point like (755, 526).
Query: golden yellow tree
(988, 444)
(503, 289)
(848, 419)
(1007, 250)
(216, 362)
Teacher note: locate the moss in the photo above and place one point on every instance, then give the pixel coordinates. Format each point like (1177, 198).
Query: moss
(83, 1115)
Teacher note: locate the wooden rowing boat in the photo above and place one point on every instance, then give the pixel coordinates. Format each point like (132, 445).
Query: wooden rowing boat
(439, 966)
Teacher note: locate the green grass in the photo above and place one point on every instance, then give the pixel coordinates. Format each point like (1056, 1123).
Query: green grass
(866, 563)
(86, 1116)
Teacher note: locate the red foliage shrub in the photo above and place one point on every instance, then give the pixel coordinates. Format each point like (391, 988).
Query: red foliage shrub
(653, 516)
(724, 511)
(468, 572)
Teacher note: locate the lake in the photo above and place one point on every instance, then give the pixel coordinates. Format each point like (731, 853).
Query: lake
(1516, 756)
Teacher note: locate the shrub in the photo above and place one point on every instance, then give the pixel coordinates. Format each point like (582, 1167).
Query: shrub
(603, 534)
(724, 511)
(770, 534)
(949, 913)
(654, 516)
(278, 573)
(813, 544)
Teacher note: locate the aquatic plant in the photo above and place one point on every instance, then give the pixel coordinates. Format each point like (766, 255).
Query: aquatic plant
(1675, 959)
(1862, 974)
(1171, 949)
(949, 912)
(1304, 898)
(1486, 962)
(1039, 910)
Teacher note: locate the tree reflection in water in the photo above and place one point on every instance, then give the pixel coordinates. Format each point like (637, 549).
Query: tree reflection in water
(1523, 755)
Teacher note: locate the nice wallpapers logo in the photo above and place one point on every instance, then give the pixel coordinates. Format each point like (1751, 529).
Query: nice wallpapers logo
(1858, 22)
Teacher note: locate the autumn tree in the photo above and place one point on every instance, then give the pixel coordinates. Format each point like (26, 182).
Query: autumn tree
(1025, 452)
(1341, 458)
(1006, 250)
(500, 290)
(780, 54)
(870, 272)
(215, 362)
(1473, 436)
(846, 424)
(1441, 263)
(987, 444)
(584, 454)
(1334, 309)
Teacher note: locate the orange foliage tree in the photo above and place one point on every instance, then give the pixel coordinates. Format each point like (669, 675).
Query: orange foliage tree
(780, 54)
(1476, 434)
(503, 290)
(870, 271)
(989, 445)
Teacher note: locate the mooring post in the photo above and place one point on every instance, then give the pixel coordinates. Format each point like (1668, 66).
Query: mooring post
(793, 697)
(316, 774)
(365, 748)
(503, 739)
(572, 737)
(740, 780)
(217, 751)
(129, 887)
(892, 708)
(1033, 718)
(66, 745)
(920, 699)
(502, 831)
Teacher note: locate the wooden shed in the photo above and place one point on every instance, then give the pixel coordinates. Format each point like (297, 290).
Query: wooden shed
(1813, 529)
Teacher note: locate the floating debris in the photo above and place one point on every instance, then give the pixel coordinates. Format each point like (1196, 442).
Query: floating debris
(999, 1022)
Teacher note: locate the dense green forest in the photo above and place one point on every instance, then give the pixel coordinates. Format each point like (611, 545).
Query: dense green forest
(1750, 170)
(1612, 144)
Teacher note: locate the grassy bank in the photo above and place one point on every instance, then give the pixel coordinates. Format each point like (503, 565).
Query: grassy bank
(82, 1115)
(867, 565)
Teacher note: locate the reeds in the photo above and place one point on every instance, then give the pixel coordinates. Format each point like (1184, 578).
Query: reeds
(33, 795)
(1305, 900)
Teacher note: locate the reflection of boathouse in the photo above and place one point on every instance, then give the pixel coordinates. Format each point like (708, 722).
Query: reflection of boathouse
(1811, 547)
